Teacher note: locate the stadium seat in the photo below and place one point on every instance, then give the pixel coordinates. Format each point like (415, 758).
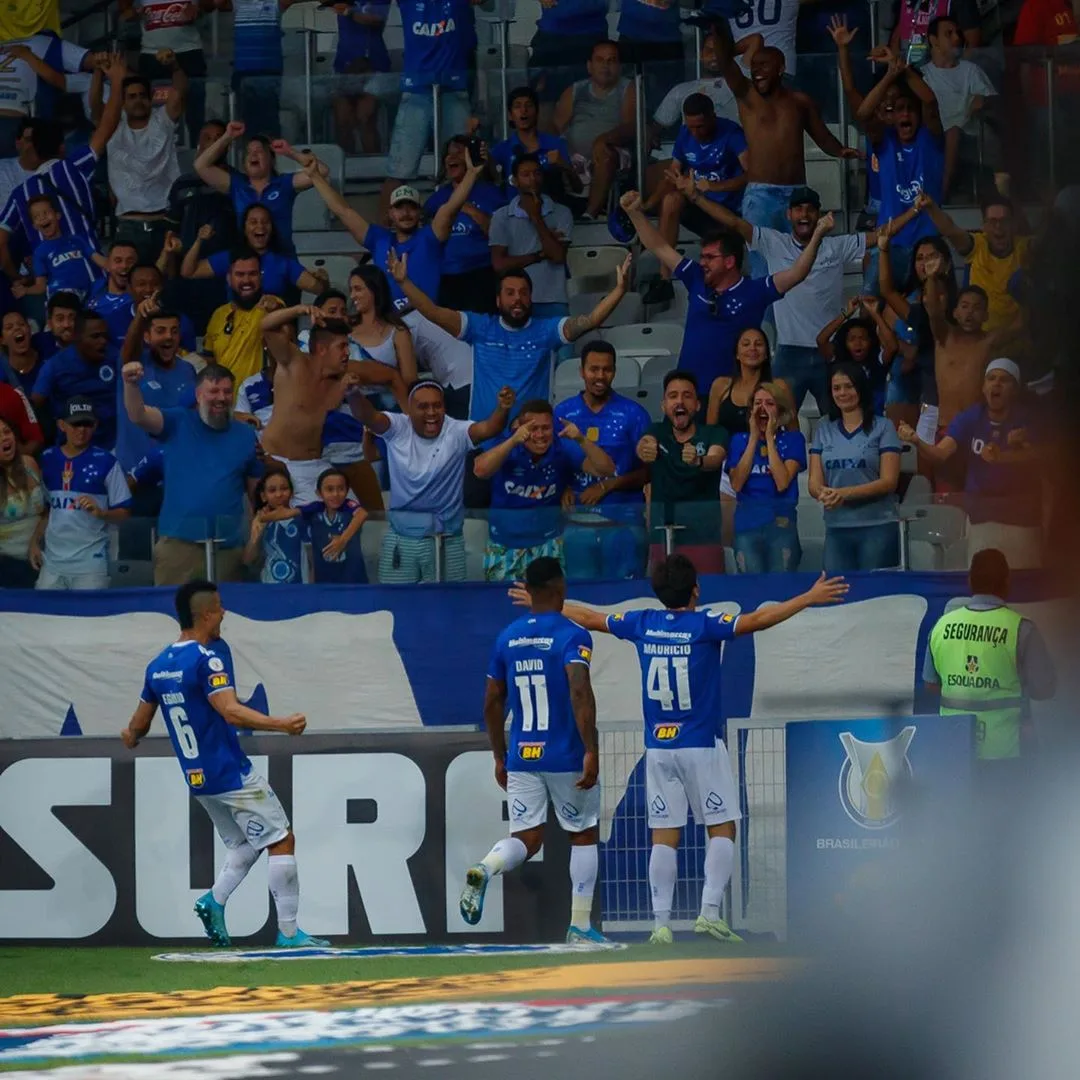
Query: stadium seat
(568, 377)
(593, 269)
(909, 462)
(649, 398)
(648, 265)
(630, 309)
(564, 393)
(938, 527)
(919, 492)
(656, 367)
(627, 373)
(309, 211)
(676, 311)
(337, 266)
(646, 338)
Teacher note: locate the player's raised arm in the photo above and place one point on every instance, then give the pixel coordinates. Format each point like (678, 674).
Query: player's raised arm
(227, 705)
(823, 591)
(495, 722)
(585, 617)
(583, 702)
(139, 724)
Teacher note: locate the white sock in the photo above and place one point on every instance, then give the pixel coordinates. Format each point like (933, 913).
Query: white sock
(719, 860)
(663, 867)
(285, 889)
(237, 864)
(505, 856)
(584, 863)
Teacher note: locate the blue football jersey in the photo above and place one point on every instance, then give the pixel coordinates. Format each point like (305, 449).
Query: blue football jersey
(531, 656)
(181, 680)
(679, 652)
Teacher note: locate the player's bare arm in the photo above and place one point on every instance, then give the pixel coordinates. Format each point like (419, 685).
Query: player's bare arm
(583, 701)
(823, 591)
(228, 706)
(585, 617)
(139, 724)
(495, 722)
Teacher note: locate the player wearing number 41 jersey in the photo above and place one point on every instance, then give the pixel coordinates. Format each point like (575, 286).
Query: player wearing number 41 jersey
(686, 765)
(192, 682)
(540, 668)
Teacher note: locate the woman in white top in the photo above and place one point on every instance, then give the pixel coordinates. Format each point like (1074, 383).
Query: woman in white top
(22, 506)
(378, 329)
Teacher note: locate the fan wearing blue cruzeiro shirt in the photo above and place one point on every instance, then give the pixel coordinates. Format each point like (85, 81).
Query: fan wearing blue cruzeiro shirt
(192, 682)
(529, 471)
(686, 763)
(616, 424)
(722, 302)
(60, 263)
(539, 673)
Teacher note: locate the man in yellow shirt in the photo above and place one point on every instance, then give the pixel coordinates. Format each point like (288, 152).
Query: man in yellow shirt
(993, 255)
(234, 333)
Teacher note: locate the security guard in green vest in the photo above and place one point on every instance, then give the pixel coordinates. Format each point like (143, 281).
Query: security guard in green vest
(986, 659)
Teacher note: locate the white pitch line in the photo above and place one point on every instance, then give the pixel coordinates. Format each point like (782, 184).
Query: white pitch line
(479, 1059)
(380, 1065)
(433, 1062)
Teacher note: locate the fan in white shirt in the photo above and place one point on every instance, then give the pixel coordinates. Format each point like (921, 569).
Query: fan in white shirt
(961, 87)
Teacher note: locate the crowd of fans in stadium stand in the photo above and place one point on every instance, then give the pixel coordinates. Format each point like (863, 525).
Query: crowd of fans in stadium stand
(158, 364)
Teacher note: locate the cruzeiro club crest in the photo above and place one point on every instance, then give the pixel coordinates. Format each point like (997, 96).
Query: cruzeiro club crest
(869, 775)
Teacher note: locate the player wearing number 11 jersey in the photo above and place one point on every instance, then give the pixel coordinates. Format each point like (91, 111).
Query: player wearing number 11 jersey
(192, 682)
(686, 765)
(540, 668)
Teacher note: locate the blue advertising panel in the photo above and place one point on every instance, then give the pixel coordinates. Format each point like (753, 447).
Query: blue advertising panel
(848, 783)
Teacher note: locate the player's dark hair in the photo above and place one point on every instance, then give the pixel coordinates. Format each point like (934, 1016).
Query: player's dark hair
(506, 275)
(681, 376)
(214, 373)
(598, 345)
(164, 314)
(322, 335)
(673, 581)
(330, 294)
(974, 290)
(860, 379)
(185, 597)
(698, 105)
(934, 29)
(729, 242)
(542, 573)
(327, 473)
(522, 159)
(535, 407)
(989, 573)
(84, 316)
(523, 92)
(145, 266)
(123, 244)
(66, 301)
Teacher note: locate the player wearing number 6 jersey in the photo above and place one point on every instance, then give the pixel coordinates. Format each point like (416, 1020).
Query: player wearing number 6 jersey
(686, 765)
(192, 681)
(540, 668)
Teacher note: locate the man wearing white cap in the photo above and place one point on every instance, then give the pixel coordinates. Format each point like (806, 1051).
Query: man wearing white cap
(1003, 485)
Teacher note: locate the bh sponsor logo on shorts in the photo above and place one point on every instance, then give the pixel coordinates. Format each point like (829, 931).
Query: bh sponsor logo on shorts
(530, 751)
(666, 732)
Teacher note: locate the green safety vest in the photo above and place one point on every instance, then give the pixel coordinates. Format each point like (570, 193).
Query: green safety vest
(975, 656)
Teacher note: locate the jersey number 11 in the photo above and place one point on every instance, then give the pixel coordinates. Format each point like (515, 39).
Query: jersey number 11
(533, 695)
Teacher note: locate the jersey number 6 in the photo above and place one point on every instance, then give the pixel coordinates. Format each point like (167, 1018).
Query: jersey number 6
(185, 733)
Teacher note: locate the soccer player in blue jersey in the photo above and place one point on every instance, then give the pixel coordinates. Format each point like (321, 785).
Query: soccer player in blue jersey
(539, 670)
(192, 681)
(686, 764)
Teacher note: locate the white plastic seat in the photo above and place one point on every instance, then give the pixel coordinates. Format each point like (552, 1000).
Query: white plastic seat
(646, 338)
(568, 377)
(627, 374)
(309, 211)
(648, 397)
(593, 269)
(629, 310)
(656, 367)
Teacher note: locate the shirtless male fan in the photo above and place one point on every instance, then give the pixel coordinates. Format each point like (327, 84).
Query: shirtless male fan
(308, 386)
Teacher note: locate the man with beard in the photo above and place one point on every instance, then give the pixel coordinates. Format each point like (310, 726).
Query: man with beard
(1002, 447)
(406, 235)
(722, 302)
(308, 388)
(776, 121)
(616, 424)
(210, 462)
(60, 314)
(85, 369)
(426, 452)
(234, 334)
(816, 300)
(684, 459)
(109, 296)
(511, 348)
(145, 281)
(153, 339)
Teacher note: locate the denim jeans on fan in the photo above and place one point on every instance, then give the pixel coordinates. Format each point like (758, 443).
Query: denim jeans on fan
(862, 547)
(769, 549)
(804, 369)
(412, 134)
(766, 205)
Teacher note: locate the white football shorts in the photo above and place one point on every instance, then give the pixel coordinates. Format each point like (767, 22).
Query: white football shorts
(694, 777)
(528, 793)
(253, 815)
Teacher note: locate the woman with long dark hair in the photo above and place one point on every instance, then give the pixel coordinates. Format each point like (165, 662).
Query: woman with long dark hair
(468, 278)
(911, 380)
(854, 470)
(730, 395)
(22, 507)
(378, 331)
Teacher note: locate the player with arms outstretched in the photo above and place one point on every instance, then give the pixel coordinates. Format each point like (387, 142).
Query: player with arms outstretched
(686, 764)
(540, 668)
(192, 681)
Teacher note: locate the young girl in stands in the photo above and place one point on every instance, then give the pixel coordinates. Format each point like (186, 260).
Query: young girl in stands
(864, 339)
(278, 532)
(333, 524)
